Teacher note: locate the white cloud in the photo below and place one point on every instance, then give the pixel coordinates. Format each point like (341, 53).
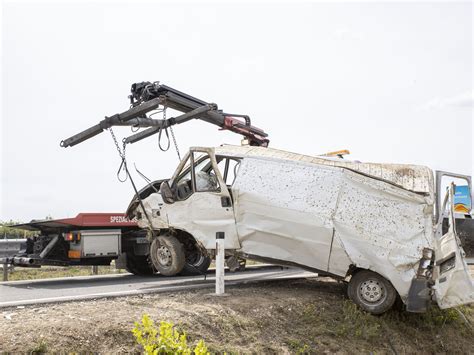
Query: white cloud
(347, 34)
(465, 99)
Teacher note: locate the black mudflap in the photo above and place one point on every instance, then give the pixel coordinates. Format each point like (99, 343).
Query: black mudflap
(419, 296)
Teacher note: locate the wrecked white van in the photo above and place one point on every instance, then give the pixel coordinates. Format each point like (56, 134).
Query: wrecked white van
(370, 224)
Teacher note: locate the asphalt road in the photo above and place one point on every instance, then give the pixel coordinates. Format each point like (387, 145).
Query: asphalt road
(19, 293)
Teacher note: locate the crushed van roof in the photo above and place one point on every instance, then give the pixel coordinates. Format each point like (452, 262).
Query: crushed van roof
(414, 178)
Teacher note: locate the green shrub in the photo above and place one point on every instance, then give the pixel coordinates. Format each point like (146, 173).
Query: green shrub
(165, 340)
(40, 348)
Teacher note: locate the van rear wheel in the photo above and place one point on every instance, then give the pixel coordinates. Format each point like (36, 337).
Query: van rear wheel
(372, 292)
(167, 255)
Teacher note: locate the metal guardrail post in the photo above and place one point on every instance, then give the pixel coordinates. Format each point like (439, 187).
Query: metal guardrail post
(95, 270)
(220, 253)
(5, 272)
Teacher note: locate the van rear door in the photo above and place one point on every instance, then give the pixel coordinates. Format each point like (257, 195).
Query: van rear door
(453, 282)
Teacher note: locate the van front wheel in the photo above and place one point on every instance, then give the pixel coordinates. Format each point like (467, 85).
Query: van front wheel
(372, 292)
(167, 255)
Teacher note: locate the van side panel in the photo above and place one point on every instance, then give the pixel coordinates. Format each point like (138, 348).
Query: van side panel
(283, 210)
(329, 218)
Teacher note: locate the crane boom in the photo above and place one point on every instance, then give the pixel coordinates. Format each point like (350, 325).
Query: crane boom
(147, 96)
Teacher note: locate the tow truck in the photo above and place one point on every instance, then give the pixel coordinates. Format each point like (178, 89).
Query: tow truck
(93, 239)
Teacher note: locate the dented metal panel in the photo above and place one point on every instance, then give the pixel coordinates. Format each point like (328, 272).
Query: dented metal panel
(382, 227)
(283, 211)
(201, 214)
(411, 177)
(330, 218)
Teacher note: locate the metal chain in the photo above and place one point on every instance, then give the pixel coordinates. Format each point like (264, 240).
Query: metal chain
(122, 155)
(175, 143)
(166, 132)
(123, 166)
(172, 134)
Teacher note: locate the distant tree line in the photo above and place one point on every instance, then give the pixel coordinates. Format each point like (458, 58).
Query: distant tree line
(9, 232)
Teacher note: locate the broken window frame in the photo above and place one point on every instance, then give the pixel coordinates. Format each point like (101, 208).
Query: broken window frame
(188, 164)
(227, 159)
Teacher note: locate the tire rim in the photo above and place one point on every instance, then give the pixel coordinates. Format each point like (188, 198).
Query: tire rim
(372, 292)
(164, 256)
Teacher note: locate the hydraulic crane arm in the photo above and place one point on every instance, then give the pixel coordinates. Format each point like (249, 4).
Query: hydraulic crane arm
(146, 97)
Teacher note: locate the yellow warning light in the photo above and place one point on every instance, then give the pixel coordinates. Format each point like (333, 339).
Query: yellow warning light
(337, 153)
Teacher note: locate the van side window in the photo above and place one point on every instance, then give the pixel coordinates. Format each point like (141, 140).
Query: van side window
(228, 168)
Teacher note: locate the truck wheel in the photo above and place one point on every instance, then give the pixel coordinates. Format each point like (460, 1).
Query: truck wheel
(372, 292)
(139, 265)
(197, 263)
(167, 255)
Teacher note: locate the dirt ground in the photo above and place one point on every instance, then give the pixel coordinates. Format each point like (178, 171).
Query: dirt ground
(299, 316)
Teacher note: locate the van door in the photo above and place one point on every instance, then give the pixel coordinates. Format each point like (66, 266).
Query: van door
(464, 223)
(204, 205)
(453, 283)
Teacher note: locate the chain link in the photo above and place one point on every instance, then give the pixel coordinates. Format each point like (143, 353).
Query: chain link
(123, 166)
(122, 154)
(175, 143)
(172, 134)
(120, 151)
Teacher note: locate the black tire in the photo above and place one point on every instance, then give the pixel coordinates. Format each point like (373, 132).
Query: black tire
(197, 263)
(167, 255)
(372, 292)
(139, 265)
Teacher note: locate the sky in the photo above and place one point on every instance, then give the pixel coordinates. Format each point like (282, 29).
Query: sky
(391, 82)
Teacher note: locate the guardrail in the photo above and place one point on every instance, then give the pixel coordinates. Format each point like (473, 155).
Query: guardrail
(8, 248)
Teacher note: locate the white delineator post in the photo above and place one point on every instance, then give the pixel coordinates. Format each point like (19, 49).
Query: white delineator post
(220, 251)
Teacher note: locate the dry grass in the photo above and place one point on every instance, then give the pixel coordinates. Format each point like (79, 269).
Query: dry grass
(47, 272)
(300, 316)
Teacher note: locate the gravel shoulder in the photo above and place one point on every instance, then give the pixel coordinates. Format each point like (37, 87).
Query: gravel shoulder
(298, 316)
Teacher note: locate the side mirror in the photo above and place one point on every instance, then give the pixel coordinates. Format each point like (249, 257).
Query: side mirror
(166, 192)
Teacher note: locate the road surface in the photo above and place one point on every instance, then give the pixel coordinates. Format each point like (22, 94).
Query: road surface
(20, 293)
